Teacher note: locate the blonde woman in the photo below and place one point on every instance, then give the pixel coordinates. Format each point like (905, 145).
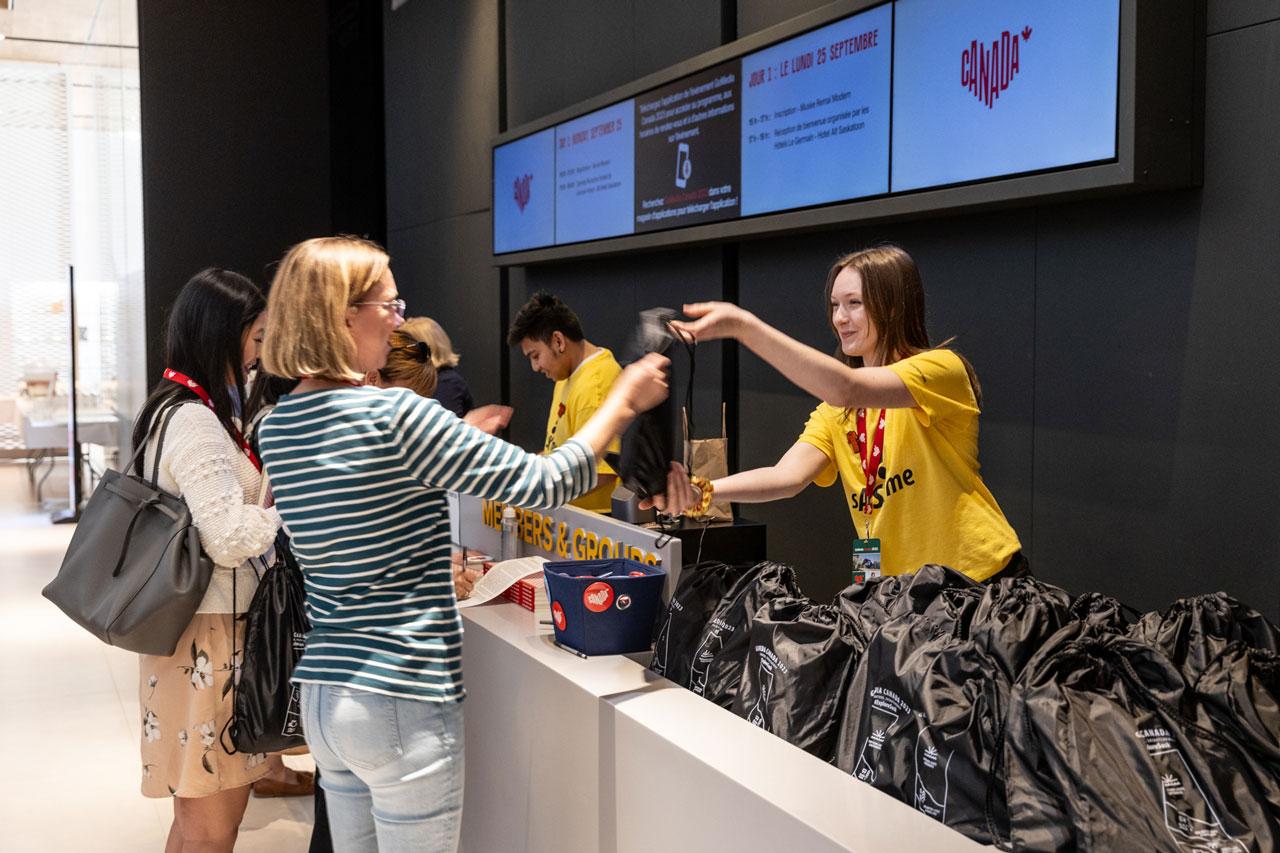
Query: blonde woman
(359, 475)
(451, 389)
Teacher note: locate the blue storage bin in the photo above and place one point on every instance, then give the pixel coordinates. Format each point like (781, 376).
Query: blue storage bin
(604, 607)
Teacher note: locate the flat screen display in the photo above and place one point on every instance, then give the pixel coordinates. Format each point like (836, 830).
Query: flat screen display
(903, 96)
(687, 151)
(524, 200)
(997, 87)
(595, 175)
(815, 111)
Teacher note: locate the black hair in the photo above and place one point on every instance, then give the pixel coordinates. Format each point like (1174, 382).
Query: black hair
(203, 338)
(541, 317)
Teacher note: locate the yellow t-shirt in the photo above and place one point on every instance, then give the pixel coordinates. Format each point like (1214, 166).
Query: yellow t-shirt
(573, 403)
(930, 505)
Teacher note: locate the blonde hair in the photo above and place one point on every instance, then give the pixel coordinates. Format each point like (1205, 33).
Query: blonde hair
(442, 352)
(408, 366)
(315, 284)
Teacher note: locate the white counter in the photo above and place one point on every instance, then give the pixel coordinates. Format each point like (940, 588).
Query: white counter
(566, 755)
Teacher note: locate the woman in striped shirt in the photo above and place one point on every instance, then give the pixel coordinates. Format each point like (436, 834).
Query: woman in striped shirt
(359, 476)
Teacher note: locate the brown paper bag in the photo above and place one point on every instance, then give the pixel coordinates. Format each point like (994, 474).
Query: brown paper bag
(709, 457)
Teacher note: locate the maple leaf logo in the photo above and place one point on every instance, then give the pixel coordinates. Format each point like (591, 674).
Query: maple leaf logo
(523, 191)
(1026, 33)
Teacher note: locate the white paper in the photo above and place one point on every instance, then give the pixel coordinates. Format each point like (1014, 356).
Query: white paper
(502, 577)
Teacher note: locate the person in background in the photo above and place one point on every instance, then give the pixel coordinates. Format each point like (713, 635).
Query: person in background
(359, 475)
(451, 388)
(898, 424)
(412, 363)
(550, 335)
(212, 337)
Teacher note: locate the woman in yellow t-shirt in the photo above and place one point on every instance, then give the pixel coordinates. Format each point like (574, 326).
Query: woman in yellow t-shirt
(896, 411)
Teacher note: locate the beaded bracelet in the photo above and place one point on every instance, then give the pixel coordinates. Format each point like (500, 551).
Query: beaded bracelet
(704, 486)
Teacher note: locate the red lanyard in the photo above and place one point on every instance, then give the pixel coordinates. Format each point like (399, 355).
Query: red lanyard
(187, 382)
(872, 457)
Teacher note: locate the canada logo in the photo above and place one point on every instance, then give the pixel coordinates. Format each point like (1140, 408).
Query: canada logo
(986, 71)
(557, 615)
(522, 191)
(598, 597)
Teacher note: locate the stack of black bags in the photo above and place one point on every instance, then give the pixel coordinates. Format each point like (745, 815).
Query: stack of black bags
(1010, 712)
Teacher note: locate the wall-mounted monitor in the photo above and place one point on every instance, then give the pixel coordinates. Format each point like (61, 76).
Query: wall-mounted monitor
(862, 111)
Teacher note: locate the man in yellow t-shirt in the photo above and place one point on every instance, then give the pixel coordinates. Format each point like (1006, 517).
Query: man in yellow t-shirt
(549, 334)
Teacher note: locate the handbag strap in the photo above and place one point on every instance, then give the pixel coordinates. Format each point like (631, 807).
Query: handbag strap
(139, 452)
(164, 428)
(145, 503)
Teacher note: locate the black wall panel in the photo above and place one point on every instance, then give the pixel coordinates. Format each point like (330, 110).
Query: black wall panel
(567, 51)
(756, 15)
(235, 140)
(1232, 14)
(442, 109)
(439, 275)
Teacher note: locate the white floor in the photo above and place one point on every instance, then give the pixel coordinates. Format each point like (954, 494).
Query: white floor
(70, 725)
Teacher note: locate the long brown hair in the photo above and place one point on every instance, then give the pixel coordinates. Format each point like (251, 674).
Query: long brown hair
(893, 296)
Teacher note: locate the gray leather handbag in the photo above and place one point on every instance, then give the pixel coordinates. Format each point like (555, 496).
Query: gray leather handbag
(134, 573)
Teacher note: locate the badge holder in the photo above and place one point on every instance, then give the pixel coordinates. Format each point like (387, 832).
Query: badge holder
(866, 560)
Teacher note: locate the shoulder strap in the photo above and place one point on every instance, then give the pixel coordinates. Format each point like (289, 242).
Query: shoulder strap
(167, 416)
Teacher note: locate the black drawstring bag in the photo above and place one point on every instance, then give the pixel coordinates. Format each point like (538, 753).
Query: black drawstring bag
(1102, 614)
(267, 714)
(800, 659)
(1243, 686)
(648, 445)
(698, 593)
(721, 652)
(1015, 618)
(1191, 632)
(1239, 692)
(872, 604)
(924, 710)
(1103, 753)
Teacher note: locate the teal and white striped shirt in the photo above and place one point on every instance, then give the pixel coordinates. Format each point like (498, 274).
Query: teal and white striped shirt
(359, 476)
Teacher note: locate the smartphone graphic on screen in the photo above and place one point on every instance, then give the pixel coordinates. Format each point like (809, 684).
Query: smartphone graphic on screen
(684, 167)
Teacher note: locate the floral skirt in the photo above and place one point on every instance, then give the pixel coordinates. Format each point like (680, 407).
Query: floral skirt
(186, 701)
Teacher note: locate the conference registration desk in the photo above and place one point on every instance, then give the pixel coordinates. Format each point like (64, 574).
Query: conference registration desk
(573, 755)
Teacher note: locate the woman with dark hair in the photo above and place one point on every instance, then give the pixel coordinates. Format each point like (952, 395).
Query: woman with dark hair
(211, 342)
(898, 423)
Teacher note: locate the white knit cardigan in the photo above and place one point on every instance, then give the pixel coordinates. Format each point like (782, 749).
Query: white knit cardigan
(203, 465)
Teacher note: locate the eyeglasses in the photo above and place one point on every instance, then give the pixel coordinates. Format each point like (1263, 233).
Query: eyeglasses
(396, 305)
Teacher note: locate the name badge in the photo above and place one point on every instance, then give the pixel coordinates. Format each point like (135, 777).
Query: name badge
(866, 560)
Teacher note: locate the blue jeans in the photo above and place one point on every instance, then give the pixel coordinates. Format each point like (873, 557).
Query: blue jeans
(391, 769)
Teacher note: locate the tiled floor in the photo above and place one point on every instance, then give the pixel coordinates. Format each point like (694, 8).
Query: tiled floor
(69, 728)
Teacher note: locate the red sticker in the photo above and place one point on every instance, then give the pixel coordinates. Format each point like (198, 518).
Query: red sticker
(635, 574)
(598, 597)
(557, 615)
